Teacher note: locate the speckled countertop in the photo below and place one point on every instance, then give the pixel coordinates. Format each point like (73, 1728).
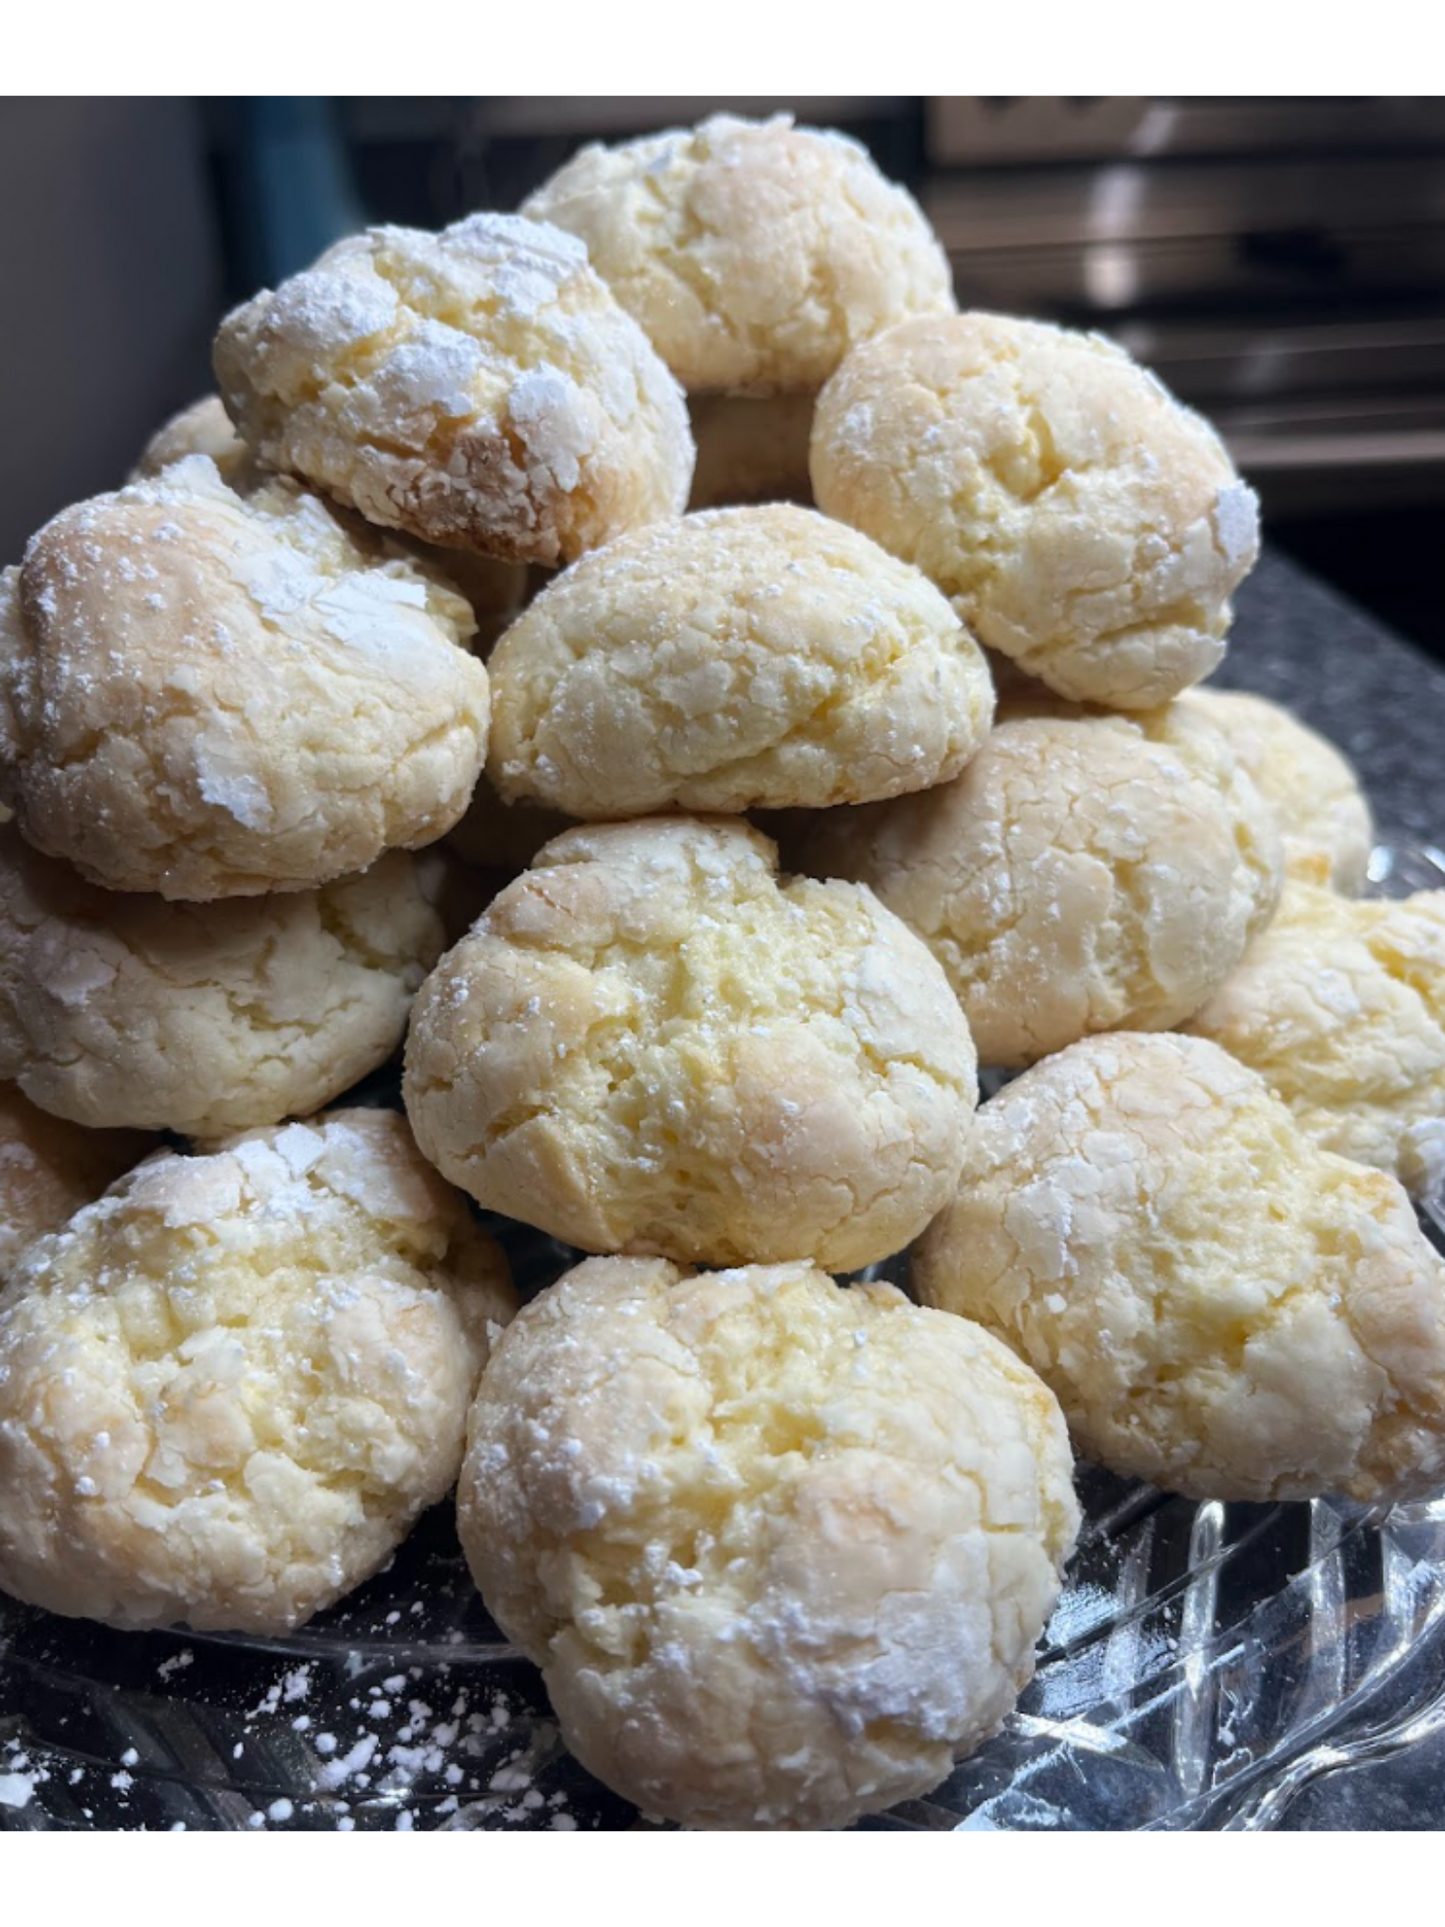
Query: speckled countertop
(1383, 702)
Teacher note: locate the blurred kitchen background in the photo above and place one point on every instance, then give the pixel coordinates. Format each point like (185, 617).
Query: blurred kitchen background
(1280, 262)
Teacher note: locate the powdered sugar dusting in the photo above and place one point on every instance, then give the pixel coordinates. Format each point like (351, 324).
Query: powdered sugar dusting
(433, 372)
(503, 335)
(554, 418)
(322, 312)
(1236, 523)
(238, 792)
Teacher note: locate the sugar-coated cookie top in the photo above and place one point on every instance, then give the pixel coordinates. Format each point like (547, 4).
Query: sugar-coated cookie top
(741, 658)
(780, 1548)
(1084, 873)
(229, 1386)
(479, 388)
(652, 1042)
(215, 686)
(1087, 524)
(754, 253)
(495, 589)
(1313, 793)
(1340, 1006)
(121, 1008)
(1222, 1307)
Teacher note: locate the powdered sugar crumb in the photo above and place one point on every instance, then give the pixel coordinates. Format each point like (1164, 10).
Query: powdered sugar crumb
(337, 1772)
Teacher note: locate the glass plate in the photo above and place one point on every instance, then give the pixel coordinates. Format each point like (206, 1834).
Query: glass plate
(1206, 1662)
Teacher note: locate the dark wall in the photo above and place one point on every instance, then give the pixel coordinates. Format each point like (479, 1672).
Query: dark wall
(110, 288)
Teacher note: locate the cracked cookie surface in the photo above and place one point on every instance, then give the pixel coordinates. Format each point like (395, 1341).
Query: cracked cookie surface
(230, 1386)
(1340, 1007)
(1085, 523)
(1223, 1308)
(754, 253)
(780, 1549)
(210, 690)
(745, 657)
(496, 590)
(650, 1042)
(1307, 784)
(478, 388)
(206, 1018)
(1084, 873)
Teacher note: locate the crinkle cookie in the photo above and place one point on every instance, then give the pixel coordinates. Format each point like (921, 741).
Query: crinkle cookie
(1310, 788)
(652, 1043)
(741, 658)
(49, 1168)
(1084, 522)
(781, 1550)
(751, 449)
(1222, 1307)
(478, 388)
(229, 1387)
(754, 253)
(1340, 1007)
(1083, 874)
(213, 691)
(206, 1018)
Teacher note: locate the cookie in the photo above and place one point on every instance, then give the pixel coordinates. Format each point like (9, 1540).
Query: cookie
(229, 1387)
(754, 253)
(1222, 1308)
(1084, 873)
(478, 388)
(1084, 522)
(745, 657)
(781, 1550)
(496, 590)
(652, 1043)
(1309, 787)
(206, 1018)
(210, 690)
(202, 429)
(1340, 1007)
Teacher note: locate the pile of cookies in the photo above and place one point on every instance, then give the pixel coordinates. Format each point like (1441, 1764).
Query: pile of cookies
(458, 675)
